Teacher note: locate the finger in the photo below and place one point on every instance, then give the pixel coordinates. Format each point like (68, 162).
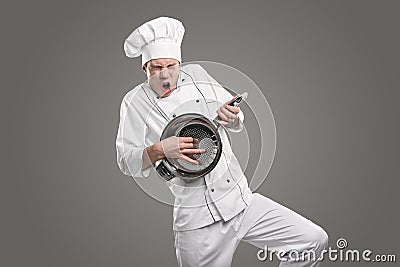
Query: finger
(228, 114)
(186, 139)
(186, 145)
(222, 122)
(193, 151)
(190, 160)
(222, 115)
(235, 110)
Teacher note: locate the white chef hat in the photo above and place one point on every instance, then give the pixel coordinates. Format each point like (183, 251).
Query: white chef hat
(158, 38)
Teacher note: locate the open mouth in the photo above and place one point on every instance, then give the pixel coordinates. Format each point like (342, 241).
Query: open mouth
(168, 90)
(166, 85)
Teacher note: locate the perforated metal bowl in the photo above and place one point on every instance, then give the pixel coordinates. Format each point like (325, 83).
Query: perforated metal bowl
(206, 132)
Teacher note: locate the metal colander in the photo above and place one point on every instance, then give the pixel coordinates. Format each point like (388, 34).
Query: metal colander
(200, 128)
(206, 132)
(206, 140)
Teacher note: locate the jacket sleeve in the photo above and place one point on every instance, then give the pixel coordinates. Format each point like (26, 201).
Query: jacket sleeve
(130, 141)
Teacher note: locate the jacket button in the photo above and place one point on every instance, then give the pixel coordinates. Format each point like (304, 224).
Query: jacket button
(212, 189)
(228, 181)
(174, 115)
(197, 101)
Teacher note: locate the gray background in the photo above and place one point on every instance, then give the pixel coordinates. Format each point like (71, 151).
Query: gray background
(329, 70)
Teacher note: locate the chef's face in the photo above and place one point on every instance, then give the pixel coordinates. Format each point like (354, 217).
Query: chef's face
(162, 74)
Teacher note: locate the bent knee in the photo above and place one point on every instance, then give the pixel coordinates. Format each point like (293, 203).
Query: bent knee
(323, 238)
(313, 237)
(318, 237)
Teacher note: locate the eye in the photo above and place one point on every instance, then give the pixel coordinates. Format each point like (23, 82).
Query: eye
(156, 68)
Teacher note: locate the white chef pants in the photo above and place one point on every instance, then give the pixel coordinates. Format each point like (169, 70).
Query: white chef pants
(264, 223)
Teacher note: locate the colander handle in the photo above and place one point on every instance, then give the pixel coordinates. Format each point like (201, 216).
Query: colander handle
(164, 172)
(238, 100)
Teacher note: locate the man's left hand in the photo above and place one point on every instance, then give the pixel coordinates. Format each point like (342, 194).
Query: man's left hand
(228, 115)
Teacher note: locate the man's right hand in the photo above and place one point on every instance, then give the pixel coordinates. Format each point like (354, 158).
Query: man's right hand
(180, 147)
(171, 147)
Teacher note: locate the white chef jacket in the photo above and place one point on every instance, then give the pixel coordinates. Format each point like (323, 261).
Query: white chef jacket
(219, 195)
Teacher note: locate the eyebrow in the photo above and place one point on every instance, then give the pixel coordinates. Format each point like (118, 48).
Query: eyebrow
(159, 65)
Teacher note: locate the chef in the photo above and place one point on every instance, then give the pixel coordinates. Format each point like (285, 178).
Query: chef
(211, 214)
